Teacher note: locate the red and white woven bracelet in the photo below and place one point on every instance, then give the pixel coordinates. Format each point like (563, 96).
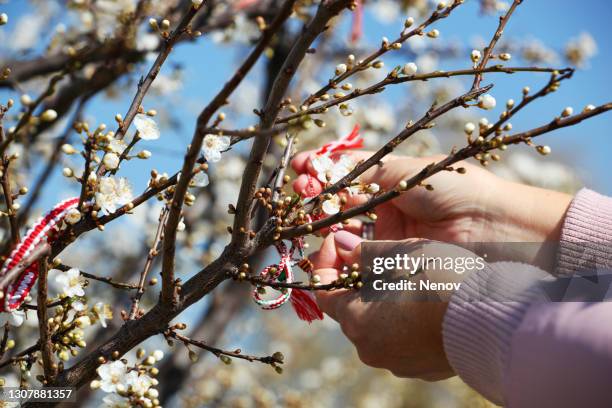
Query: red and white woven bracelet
(18, 290)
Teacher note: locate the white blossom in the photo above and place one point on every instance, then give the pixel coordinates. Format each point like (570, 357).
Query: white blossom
(111, 161)
(14, 318)
(73, 216)
(580, 49)
(103, 312)
(200, 179)
(158, 355)
(330, 171)
(146, 126)
(112, 374)
(138, 384)
(115, 401)
(487, 102)
(331, 206)
(213, 147)
(113, 192)
(70, 283)
(117, 146)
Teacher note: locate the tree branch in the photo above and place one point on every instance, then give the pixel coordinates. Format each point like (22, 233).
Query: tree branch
(488, 51)
(317, 25)
(46, 346)
(167, 296)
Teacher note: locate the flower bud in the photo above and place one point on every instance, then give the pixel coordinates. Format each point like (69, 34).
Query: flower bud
(487, 102)
(68, 149)
(409, 69)
(25, 99)
(469, 128)
(3, 19)
(340, 69)
(543, 150)
(475, 55)
(567, 112)
(145, 154)
(48, 116)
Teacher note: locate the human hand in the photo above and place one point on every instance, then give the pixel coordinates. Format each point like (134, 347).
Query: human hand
(403, 337)
(476, 206)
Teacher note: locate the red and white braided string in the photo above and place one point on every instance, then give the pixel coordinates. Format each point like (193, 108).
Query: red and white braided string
(19, 289)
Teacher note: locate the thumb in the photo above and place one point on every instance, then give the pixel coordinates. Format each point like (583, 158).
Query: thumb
(348, 246)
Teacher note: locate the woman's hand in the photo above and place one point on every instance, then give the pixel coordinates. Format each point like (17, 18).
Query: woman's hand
(473, 207)
(404, 337)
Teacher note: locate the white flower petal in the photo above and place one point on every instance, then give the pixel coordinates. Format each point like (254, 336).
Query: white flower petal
(200, 179)
(146, 126)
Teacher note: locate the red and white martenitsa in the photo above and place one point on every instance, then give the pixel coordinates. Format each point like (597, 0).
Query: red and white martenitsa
(43, 231)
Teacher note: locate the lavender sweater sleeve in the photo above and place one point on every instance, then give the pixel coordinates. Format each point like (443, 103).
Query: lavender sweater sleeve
(517, 350)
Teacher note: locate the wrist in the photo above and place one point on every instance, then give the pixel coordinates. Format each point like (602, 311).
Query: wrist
(536, 213)
(530, 215)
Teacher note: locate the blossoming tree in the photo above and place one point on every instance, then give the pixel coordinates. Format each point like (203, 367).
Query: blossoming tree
(81, 62)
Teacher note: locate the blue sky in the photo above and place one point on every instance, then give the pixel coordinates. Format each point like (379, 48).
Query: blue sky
(586, 147)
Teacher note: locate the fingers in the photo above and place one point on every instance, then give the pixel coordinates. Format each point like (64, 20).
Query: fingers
(326, 256)
(307, 186)
(348, 247)
(301, 162)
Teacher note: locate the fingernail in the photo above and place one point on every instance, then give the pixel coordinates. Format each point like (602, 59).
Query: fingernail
(347, 241)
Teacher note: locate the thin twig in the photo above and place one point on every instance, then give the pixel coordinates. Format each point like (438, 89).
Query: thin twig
(163, 216)
(49, 367)
(145, 83)
(27, 115)
(11, 212)
(391, 79)
(5, 336)
(104, 279)
(259, 281)
(366, 62)
(488, 51)
(244, 134)
(35, 347)
(46, 173)
(272, 360)
(282, 168)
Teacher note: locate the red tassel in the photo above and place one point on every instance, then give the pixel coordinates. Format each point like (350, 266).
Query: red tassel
(352, 141)
(305, 307)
